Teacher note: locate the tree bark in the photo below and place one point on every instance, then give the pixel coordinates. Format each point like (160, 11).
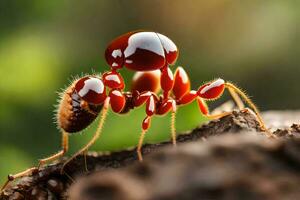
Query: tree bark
(230, 158)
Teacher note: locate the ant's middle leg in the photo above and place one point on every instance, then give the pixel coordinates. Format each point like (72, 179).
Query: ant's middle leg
(11, 178)
(165, 107)
(65, 147)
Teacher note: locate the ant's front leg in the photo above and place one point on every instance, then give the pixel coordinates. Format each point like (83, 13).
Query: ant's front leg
(11, 178)
(96, 135)
(151, 100)
(65, 145)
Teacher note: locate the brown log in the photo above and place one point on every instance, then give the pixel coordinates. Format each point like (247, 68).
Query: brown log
(228, 158)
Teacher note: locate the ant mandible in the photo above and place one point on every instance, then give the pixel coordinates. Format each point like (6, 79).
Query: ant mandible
(149, 54)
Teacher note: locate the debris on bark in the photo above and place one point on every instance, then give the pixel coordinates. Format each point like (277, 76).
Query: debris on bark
(226, 158)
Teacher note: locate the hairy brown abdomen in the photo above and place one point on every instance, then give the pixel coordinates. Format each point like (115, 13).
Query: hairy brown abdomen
(71, 116)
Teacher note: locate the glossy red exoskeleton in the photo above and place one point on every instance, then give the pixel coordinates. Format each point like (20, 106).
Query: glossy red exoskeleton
(150, 54)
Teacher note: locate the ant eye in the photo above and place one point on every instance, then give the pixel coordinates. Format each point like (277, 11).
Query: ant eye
(91, 90)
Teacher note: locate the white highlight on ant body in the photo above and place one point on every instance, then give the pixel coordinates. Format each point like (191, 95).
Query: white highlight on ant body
(93, 84)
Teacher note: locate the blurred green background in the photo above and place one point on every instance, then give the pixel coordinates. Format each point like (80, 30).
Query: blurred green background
(253, 43)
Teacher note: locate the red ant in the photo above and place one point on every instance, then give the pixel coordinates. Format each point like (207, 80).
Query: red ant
(149, 54)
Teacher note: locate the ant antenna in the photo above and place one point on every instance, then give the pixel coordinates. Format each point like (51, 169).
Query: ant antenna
(236, 99)
(173, 129)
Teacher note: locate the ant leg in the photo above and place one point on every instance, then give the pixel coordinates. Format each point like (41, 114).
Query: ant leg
(165, 107)
(236, 98)
(65, 147)
(11, 178)
(213, 90)
(191, 96)
(182, 84)
(65, 142)
(218, 116)
(85, 162)
(95, 137)
(205, 110)
(252, 105)
(166, 81)
(173, 129)
(145, 127)
(150, 111)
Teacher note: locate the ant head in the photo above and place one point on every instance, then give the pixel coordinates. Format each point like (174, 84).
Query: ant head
(91, 89)
(212, 90)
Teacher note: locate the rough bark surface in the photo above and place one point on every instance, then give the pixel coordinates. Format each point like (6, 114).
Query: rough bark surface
(228, 158)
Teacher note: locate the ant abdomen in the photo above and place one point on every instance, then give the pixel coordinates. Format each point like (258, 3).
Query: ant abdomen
(75, 114)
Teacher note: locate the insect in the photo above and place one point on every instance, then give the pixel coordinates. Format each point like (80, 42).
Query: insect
(151, 55)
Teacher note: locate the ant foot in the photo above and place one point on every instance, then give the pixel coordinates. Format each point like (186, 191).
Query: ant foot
(10, 177)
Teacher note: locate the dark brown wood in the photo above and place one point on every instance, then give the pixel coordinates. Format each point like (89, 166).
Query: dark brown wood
(228, 158)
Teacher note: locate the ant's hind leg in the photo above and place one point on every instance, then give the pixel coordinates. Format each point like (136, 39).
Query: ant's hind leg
(65, 141)
(65, 147)
(95, 137)
(18, 175)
